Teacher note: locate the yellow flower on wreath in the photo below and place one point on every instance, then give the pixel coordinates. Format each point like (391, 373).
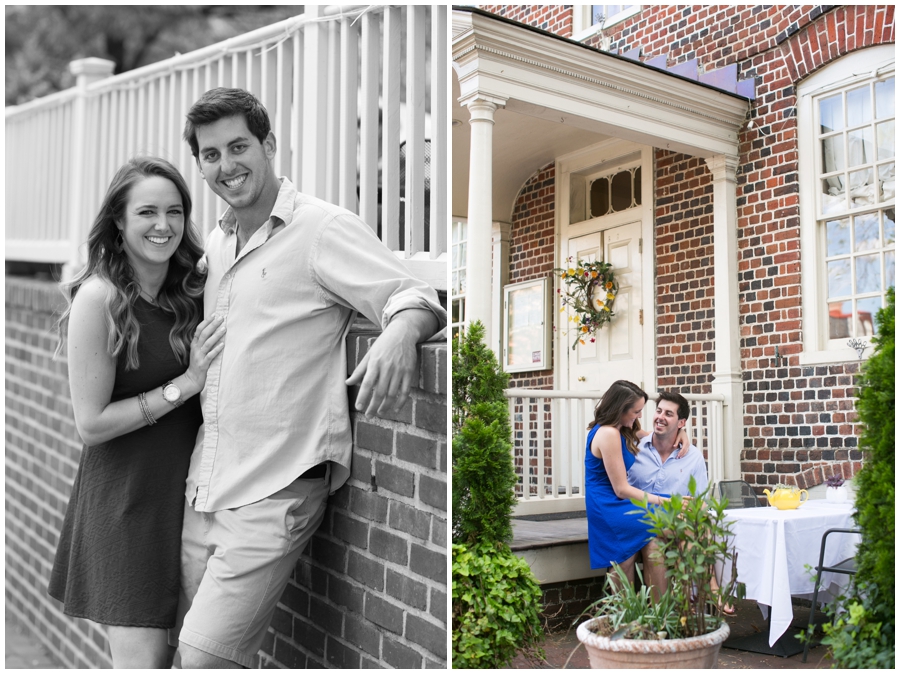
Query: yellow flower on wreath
(610, 296)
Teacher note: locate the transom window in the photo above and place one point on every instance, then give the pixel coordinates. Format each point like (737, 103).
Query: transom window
(855, 209)
(457, 276)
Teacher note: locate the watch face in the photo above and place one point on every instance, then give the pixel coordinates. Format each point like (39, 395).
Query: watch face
(171, 393)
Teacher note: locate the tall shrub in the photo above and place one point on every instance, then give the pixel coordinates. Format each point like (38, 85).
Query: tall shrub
(496, 600)
(483, 475)
(863, 637)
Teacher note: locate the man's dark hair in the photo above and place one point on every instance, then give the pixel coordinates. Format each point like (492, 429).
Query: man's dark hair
(220, 103)
(684, 409)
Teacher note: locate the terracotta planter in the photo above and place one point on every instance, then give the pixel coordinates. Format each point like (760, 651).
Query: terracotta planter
(693, 653)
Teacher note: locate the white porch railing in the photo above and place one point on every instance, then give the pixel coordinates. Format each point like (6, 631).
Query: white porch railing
(325, 77)
(549, 431)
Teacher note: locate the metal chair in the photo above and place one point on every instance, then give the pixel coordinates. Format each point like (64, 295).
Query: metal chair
(739, 494)
(847, 566)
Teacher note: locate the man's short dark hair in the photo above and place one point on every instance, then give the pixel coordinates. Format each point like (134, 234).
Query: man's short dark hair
(684, 409)
(220, 103)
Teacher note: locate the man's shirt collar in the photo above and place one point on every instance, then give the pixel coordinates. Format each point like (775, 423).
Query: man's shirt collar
(282, 212)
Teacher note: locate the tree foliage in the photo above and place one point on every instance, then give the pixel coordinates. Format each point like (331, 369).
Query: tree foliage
(863, 637)
(41, 40)
(483, 475)
(496, 600)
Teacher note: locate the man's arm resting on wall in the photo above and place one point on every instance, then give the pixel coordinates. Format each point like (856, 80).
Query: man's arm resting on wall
(388, 370)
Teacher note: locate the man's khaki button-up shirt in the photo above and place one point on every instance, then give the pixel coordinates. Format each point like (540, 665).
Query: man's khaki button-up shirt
(275, 402)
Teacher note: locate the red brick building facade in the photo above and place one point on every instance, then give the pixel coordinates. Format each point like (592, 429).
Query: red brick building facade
(798, 416)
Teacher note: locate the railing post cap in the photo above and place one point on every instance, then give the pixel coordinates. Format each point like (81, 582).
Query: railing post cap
(92, 67)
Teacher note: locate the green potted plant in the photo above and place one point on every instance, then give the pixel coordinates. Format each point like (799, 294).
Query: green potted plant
(684, 628)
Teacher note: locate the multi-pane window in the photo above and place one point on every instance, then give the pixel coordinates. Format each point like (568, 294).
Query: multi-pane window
(608, 14)
(855, 206)
(457, 276)
(588, 20)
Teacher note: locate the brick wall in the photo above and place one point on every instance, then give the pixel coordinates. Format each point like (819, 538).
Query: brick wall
(554, 18)
(369, 591)
(800, 425)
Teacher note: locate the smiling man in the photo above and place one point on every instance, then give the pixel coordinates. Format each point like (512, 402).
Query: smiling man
(288, 272)
(657, 468)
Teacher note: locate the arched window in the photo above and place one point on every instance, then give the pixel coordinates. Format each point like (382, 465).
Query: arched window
(847, 197)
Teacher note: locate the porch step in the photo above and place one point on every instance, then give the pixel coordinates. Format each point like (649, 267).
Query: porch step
(555, 548)
(545, 531)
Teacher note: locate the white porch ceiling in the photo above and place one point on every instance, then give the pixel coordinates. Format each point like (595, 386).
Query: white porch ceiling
(561, 97)
(522, 145)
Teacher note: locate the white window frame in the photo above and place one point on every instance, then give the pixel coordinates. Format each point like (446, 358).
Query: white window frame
(845, 73)
(582, 28)
(457, 225)
(542, 343)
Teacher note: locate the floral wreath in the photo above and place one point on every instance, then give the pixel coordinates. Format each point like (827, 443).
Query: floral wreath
(591, 290)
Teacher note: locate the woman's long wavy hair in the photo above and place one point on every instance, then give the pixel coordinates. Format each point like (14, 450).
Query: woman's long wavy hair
(108, 261)
(617, 400)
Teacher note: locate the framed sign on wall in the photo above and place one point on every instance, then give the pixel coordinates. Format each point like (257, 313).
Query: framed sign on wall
(526, 326)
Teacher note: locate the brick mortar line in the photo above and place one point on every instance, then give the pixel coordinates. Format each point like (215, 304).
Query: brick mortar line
(15, 468)
(48, 625)
(29, 422)
(32, 385)
(43, 564)
(359, 518)
(43, 451)
(394, 566)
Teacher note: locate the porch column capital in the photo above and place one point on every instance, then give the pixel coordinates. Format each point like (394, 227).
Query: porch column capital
(482, 106)
(723, 167)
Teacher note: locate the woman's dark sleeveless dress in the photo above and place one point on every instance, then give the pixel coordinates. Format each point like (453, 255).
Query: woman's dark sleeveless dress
(118, 560)
(613, 534)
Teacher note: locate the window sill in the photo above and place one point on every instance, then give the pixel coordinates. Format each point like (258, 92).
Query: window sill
(836, 356)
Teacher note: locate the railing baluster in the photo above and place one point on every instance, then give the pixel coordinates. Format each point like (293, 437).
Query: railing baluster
(437, 212)
(414, 208)
(347, 132)
(282, 108)
(332, 121)
(368, 110)
(390, 130)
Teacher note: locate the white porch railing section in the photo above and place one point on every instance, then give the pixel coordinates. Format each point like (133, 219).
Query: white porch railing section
(351, 119)
(549, 430)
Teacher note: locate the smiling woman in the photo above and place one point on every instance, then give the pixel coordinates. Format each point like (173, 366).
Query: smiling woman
(137, 354)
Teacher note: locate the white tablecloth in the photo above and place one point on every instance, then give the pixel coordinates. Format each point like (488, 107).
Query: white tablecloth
(774, 546)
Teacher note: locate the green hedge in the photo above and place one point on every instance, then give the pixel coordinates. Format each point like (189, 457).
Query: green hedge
(863, 637)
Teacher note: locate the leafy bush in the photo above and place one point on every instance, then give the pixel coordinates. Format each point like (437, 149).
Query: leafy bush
(692, 536)
(496, 606)
(496, 600)
(864, 636)
(483, 474)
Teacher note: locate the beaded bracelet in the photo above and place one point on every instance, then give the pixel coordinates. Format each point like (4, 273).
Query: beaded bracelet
(145, 409)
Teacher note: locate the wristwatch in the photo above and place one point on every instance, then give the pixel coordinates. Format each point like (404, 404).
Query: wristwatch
(172, 394)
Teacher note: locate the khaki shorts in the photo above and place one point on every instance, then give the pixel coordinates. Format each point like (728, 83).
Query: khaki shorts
(235, 565)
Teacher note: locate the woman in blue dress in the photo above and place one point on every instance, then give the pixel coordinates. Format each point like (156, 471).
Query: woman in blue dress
(614, 536)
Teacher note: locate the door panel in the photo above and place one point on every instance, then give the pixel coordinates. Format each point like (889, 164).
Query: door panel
(617, 352)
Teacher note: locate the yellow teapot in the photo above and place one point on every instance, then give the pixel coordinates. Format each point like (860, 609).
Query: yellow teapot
(786, 498)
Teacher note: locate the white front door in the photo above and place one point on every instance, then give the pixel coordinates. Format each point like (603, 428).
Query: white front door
(617, 352)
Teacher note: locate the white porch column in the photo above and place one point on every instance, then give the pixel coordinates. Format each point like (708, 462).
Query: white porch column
(728, 331)
(500, 277)
(478, 262)
(86, 71)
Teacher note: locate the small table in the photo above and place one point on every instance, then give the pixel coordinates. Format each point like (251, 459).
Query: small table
(773, 549)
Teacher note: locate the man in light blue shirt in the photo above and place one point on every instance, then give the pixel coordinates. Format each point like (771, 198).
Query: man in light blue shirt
(657, 468)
